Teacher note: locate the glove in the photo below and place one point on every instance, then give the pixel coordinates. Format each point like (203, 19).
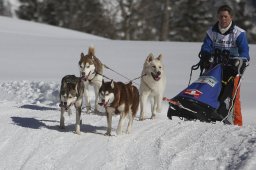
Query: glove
(238, 65)
(225, 55)
(204, 55)
(206, 60)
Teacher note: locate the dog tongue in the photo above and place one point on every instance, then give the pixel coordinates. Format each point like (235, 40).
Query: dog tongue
(157, 78)
(103, 104)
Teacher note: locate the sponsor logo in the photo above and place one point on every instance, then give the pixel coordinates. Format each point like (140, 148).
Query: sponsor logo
(211, 81)
(193, 92)
(223, 42)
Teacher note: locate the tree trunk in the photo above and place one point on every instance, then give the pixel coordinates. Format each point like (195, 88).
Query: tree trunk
(165, 21)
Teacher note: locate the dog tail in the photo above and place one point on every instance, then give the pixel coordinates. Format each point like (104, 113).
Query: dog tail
(91, 51)
(136, 101)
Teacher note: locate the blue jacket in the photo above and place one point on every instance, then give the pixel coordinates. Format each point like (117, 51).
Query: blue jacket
(234, 40)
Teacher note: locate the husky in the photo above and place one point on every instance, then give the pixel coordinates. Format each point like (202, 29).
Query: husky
(71, 93)
(91, 71)
(152, 85)
(119, 98)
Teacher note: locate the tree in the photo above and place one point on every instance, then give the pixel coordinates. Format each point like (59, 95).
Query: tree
(165, 21)
(82, 15)
(5, 8)
(29, 10)
(1, 7)
(190, 20)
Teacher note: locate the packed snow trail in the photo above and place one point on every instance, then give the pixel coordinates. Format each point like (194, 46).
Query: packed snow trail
(30, 135)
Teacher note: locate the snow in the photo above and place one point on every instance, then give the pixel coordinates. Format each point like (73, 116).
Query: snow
(34, 58)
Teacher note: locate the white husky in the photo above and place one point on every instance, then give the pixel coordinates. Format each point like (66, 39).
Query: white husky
(153, 82)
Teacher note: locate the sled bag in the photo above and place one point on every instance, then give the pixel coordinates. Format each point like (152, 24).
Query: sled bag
(200, 100)
(206, 88)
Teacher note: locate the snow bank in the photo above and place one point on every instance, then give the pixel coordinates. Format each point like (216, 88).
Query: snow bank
(33, 92)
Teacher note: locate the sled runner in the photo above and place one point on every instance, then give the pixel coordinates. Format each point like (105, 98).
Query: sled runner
(210, 98)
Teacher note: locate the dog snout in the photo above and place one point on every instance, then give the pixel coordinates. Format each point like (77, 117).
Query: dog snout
(63, 104)
(83, 73)
(159, 73)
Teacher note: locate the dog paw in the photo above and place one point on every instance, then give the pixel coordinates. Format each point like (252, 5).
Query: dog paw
(118, 132)
(97, 111)
(107, 134)
(141, 118)
(88, 111)
(153, 116)
(78, 132)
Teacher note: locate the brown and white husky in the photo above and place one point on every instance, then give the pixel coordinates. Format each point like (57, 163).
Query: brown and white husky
(91, 70)
(119, 98)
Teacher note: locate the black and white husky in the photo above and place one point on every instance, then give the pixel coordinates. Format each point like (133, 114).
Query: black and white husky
(71, 93)
(153, 82)
(91, 70)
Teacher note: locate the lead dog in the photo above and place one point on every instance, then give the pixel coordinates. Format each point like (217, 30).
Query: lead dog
(91, 70)
(119, 98)
(71, 93)
(153, 82)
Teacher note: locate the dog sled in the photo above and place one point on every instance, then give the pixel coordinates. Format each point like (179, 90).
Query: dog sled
(211, 97)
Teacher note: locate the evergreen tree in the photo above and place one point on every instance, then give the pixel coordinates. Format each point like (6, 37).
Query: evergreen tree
(190, 20)
(1, 7)
(182, 20)
(29, 10)
(5, 8)
(82, 15)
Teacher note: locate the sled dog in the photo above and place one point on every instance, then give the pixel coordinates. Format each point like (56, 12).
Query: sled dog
(153, 82)
(71, 93)
(91, 70)
(119, 98)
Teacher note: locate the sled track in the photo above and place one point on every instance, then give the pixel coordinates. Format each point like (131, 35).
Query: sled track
(35, 140)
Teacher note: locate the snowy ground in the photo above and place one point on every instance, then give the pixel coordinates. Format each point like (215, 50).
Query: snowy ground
(33, 60)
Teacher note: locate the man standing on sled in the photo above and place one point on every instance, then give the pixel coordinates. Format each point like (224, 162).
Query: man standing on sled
(228, 37)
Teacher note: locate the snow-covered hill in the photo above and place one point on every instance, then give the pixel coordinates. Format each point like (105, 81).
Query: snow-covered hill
(34, 58)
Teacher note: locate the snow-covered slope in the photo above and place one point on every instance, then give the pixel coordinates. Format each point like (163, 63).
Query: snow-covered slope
(33, 60)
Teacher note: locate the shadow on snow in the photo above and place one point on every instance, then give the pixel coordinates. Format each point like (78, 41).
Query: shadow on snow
(34, 123)
(36, 107)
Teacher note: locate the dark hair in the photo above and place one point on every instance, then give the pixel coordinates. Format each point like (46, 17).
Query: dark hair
(225, 8)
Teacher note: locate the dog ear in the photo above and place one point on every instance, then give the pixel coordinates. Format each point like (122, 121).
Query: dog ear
(150, 58)
(160, 57)
(112, 84)
(81, 58)
(64, 85)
